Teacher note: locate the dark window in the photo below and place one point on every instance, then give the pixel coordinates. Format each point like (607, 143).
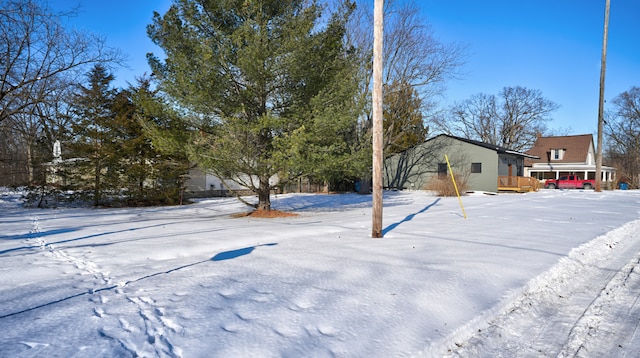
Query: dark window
(476, 167)
(442, 170)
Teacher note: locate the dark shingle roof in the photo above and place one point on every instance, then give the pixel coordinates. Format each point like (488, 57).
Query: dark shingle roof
(576, 148)
(497, 148)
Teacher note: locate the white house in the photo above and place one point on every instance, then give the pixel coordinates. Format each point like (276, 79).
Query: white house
(565, 155)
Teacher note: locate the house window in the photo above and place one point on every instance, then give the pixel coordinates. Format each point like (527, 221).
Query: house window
(442, 170)
(476, 167)
(557, 154)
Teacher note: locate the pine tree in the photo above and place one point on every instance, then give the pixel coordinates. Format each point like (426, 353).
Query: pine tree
(117, 161)
(403, 124)
(161, 162)
(93, 142)
(257, 78)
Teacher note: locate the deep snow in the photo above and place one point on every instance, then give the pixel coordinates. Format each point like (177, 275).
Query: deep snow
(552, 273)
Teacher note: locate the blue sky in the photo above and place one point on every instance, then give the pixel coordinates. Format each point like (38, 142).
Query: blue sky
(554, 46)
(550, 45)
(123, 24)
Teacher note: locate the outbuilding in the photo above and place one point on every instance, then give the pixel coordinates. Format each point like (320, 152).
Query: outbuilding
(485, 167)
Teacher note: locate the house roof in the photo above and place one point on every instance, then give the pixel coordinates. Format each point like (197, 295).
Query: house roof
(497, 148)
(576, 148)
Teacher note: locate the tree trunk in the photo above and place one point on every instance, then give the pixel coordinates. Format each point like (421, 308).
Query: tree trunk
(97, 185)
(264, 199)
(30, 164)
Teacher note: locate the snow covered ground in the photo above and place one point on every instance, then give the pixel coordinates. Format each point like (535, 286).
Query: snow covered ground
(552, 273)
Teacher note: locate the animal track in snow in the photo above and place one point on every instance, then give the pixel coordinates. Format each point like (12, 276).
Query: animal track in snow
(144, 334)
(34, 344)
(84, 266)
(286, 330)
(125, 325)
(323, 329)
(149, 341)
(99, 312)
(227, 293)
(155, 324)
(328, 330)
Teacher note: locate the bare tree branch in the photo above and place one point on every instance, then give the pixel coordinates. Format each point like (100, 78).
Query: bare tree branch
(35, 49)
(512, 119)
(622, 129)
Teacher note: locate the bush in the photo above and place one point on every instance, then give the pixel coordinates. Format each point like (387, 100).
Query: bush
(52, 197)
(444, 186)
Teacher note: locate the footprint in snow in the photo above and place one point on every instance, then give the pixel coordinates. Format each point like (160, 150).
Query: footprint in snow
(227, 293)
(125, 325)
(286, 330)
(171, 325)
(99, 312)
(325, 330)
(230, 327)
(301, 304)
(34, 344)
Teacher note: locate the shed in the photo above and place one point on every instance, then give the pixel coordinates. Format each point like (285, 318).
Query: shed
(483, 165)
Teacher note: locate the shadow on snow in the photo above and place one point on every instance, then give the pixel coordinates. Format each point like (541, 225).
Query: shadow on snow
(228, 255)
(408, 218)
(225, 255)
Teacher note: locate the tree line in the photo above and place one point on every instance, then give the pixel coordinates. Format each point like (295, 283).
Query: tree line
(260, 92)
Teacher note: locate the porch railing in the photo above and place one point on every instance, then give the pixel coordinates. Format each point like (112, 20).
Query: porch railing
(518, 184)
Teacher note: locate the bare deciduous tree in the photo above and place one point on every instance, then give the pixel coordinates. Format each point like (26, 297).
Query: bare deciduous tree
(13, 157)
(475, 118)
(413, 58)
(622, 129)
(512, 119)
(35, 49)
(40, 60)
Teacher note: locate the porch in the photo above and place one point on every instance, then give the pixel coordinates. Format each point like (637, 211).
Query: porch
(517, 184)
(543, 172)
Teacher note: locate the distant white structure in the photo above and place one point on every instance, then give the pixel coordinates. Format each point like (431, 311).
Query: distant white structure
(57, 153)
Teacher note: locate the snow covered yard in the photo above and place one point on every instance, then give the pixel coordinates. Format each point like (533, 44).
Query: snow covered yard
(541, 274)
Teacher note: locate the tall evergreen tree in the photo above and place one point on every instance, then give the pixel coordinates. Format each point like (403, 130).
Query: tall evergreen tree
(117, 159)
(402, 112)
(264, 81)
(93, 142)
(159, 162)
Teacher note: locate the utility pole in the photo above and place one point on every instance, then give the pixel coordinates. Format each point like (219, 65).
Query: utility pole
(603, 68)
(378, 31)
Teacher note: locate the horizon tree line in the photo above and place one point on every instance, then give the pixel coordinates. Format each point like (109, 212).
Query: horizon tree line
(252, 91)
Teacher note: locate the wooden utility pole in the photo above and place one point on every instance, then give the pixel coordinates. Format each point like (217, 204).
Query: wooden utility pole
(378, 31)
(603, 68)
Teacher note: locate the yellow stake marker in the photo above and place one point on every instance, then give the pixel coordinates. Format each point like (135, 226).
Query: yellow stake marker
(455, 186)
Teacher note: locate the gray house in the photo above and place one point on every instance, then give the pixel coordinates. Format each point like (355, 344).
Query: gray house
(485, 167)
